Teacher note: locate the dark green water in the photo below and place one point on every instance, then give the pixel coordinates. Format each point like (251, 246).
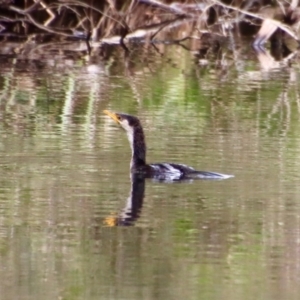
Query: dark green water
(65, 178)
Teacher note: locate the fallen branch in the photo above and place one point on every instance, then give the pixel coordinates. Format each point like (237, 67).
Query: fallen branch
(270, 22)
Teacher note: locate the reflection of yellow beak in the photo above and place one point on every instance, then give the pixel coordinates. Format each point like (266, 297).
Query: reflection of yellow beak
(110, 221)
(114, 116)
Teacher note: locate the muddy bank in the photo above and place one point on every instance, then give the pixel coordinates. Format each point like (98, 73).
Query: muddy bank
(204, 27)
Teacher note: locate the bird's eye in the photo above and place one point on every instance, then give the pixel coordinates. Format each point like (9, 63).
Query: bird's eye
(119, 117)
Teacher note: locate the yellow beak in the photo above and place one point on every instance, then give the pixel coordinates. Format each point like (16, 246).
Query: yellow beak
(114, 116)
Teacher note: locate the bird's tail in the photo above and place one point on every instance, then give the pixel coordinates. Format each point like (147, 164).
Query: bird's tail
(209, 175)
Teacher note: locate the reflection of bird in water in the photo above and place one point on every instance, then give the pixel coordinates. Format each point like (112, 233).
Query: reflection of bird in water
(157, 171)
(133, 207)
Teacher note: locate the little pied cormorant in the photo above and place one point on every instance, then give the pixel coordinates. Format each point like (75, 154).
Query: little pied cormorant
(157, 171)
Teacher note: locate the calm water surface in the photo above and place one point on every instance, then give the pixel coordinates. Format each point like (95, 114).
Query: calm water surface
(65, 188)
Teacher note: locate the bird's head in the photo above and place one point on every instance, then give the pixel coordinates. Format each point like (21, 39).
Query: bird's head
(128, 122)
(135, 136)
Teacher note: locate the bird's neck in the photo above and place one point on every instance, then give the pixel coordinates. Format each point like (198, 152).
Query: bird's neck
(138, 147)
